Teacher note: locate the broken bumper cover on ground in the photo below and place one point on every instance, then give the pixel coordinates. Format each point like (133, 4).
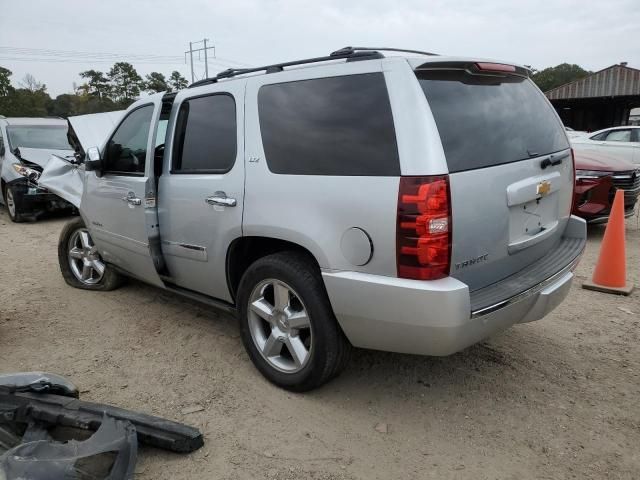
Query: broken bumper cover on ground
(109, 454)
(30, 421)
(441, 317)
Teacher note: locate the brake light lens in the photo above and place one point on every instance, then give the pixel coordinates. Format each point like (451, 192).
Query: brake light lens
(575, 179)
(423, 232)
(495, 67)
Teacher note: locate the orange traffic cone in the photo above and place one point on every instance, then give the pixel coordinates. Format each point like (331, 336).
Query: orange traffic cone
(610, 275)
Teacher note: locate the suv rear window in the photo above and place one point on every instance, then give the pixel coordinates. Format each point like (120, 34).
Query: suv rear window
(329, 126)
(487, 120)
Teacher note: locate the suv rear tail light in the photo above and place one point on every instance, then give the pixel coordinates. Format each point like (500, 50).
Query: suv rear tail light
(423, 232)
(575, 179)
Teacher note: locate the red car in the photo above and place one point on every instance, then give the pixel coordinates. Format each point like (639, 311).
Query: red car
(598, 177)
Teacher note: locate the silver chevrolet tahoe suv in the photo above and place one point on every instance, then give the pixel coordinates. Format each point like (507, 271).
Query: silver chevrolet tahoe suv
(410, 203)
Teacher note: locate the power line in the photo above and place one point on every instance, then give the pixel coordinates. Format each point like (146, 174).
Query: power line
(89, 61)
(77, 54)
(106, 56)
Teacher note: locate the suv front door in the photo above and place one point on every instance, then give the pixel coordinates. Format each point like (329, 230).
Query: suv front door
(118, 205)
(201, 189)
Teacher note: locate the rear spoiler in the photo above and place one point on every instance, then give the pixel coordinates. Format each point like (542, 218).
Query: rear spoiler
(477, 67)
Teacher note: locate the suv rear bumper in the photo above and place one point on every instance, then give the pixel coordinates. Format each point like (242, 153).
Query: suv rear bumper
(436, 317)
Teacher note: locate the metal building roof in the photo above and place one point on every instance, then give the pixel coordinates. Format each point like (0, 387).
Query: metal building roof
(614, 81)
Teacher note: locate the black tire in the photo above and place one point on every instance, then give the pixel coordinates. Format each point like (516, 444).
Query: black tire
(16, 216)
(110, 279)
(330, 352)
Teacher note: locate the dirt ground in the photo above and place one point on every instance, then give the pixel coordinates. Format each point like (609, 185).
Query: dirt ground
(554, 399)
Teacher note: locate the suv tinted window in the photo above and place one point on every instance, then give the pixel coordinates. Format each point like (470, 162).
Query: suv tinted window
(126, 151)
(329, 126)
(206, 134)
(490, 120)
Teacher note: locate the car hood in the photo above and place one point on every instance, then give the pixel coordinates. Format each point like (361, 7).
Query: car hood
(41, 156)
(601, 162)
(92, 130)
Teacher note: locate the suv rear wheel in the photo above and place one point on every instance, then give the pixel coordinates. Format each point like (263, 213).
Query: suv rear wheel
(287, 323)
(80, 262)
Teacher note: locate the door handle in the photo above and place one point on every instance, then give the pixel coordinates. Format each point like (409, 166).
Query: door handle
(221, 199)
(131, 199)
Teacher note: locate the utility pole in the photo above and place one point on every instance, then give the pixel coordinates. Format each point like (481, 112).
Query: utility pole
(206, 63)
(206, 58)
(191, 59)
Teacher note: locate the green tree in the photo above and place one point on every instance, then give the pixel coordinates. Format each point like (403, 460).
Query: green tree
(23, 103)
(30, 101)
(5, 81)
(125, 81)
(97, 83)
(177, 81)
(553, 77)
(156, 82)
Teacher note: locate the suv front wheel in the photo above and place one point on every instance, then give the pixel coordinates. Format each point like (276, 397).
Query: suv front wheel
(287, 324)
(80, 262)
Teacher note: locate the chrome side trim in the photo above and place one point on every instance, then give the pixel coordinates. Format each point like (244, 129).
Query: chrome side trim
(528, 293)
(185, 250)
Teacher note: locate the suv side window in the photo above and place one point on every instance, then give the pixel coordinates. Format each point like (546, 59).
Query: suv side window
(599, 137)
(1, 144)
(126, 151)
(329, 126)
(206, 135)
(619, 136)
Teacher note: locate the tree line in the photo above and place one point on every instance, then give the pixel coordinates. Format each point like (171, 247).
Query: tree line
(122, 85)
(115, 89)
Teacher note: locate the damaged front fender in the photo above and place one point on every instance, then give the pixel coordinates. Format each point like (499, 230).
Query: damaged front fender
(64, 178)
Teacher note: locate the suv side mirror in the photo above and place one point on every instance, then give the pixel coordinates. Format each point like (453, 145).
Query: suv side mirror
(93, 161)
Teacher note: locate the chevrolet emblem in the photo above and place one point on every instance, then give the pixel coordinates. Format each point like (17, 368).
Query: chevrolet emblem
(544, 188)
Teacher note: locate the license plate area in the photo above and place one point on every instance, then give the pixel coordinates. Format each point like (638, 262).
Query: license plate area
(533, 211)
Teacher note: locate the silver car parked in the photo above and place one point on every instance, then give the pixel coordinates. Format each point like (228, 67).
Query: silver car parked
(412, 203)
(26, 145)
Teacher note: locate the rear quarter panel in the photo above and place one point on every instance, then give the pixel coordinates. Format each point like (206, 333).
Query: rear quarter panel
(315, 211)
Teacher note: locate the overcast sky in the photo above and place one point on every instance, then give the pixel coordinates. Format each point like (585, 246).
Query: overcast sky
(593, 34)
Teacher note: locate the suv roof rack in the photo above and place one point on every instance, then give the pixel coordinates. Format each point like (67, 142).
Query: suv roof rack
(351, 54)
(381, 49)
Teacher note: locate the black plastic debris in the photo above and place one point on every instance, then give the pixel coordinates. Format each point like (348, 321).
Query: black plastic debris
(109, 454)
(39, 382)
(48, 435)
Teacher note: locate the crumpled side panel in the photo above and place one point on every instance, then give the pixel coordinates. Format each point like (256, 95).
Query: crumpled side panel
(63, 178)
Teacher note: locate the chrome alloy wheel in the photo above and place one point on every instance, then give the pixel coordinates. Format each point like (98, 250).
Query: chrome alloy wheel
(280, 326)
(84, 260)
(11, 203)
